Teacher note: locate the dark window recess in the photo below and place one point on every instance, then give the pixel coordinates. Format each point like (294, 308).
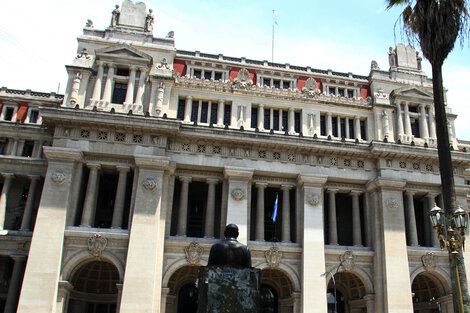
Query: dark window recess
(3, 145)
(122, 72)
(322, 125)
(350, 94)
(413, 109)
(284, 120)
(341, 92)
(334, 126)
(343, 127)
(207, 75)
(267, 82)
(119, 93)
(363, 130)
(194, 110)
(351, 129)
(415, 127)
(204, 109)
(197, 73)
(277, 83)
(181, 106)
(105, 201)
(9, 114)
(276, 119)
(34, 116)
(331, 91)
(344, 218)
(187, 299)
(217, 76)
(227, 114)
(269, 299)
(297, 122)
(266, 119)
(196, 204)
(213, 113)
(254, 117)
(285, 85)
(28, 148)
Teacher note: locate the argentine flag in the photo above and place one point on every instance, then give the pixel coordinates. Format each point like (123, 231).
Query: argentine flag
(274, 216)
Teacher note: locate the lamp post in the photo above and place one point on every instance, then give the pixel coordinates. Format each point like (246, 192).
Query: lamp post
(347, 257)
(454, 242)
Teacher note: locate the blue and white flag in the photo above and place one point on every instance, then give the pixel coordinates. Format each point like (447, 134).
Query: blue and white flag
(274, 216)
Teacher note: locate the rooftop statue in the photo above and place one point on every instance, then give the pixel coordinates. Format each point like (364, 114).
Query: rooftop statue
(115, 16)
(149, 21)
(230, 252)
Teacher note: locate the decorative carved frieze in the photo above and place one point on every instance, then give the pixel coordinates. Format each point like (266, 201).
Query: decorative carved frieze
(150, 184)
(58, 177)
(392, 204)
(313, 200)
(243, 80)
(273, 257)
(193, 253)
(96, 244)
(310, 88)
(238, 194)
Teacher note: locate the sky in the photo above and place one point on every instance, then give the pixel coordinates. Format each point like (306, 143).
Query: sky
(38, 38)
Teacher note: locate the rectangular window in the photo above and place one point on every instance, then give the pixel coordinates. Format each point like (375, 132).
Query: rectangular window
(341, 92)
(276, 119)
(122, 72)
(297, 122)
(34, 116)
(331, 91)
(197, 74)
(207, 75)
(194, 110)
(213, 113)
(266, 119)
(266, 82)
(204, 109)
(277, 83)
(119, 93)
(227, 114)
(363, 130)
(284, 120)
(217, 75)
(413, 109)
(343, 128)
(415, 127)
(322, 125)
(28, 148)
(334, 126)
(351, 129)
(350, 94)
(181, 106)
(254, 117)
(3, 145)
(285, 85)
(9, 114)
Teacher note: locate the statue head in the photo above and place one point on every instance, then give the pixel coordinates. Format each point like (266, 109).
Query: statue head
(117, 6)
(231, 231)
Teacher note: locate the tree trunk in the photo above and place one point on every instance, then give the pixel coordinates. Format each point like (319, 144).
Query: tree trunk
(447, 181)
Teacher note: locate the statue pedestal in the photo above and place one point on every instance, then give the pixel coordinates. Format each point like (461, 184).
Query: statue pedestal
(225, 289)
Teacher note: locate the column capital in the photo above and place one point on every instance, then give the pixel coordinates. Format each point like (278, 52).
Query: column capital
(287, 186)
(63, 284)
(123, 168)
(261, 185)
(185, 179)
(291, 109)
(34, 177)
(410, 192)
(261, 105)
(311, 180)
(212, 180)
(8, 175)
(133, 67)
(100, 63)
(18, 257)
(242, 173)
(221, 101)
(93, 165)
(143, 69)
(356, 192)
(189, 97)
(431, 195)
(328, 113)
(332, 190)
(111, 65)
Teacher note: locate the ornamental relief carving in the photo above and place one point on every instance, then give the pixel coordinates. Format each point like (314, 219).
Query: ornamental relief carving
(273, 257)
(429, 261)
(313, 200)
(392, 204)
(96, 245)
(243, 80)
(310, 88)
(348, 260)
(58, 177)
(193, 253)
(238, 194)
(150, 184)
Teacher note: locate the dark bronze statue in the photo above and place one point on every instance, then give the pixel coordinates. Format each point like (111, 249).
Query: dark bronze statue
(229, 251)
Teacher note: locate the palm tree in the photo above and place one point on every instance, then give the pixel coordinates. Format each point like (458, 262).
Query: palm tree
(435, 25)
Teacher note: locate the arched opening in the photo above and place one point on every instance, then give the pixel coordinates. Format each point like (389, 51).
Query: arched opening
(429, 294)
(94, 288)
(276, 291)
(183, 293)
(350, 292)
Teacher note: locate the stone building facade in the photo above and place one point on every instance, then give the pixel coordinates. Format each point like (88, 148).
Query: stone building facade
(114, 192)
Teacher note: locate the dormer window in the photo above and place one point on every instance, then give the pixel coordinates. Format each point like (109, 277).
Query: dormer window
(276, 82)
(9, 113)
(33, 116)
(208, 73)
(341, 91)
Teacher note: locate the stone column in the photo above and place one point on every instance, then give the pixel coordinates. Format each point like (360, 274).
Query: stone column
(41, 279)
(332, 226)
(356, 216)
(431, 202)
(261, 117)
(187, 109)
(153, 98)
(237, 206)
(63, 296)
(291, 121)
(99, 78)
(407, 121)
(15, 283)
(73, 99)
(399, 121)
(220, 113)
(423, 123)
(432, 123)
(14, 147)
(108, 87)
(120, 198)
(20, 147)
(183, 206)
(159, 101)
(141, 291)
(119, 297)
(286, 212)
(259, 233)
(83, 88)
(370, 299)
(313, 252)
(165, 293)
(367, 220)
(346, 127)
(4, 197)
(75, 193)
(210, 211)
(88, 214)
(329, 124)
(411, 219)
(130, 86)
(141, 88)
(28, 209)
(357, 128)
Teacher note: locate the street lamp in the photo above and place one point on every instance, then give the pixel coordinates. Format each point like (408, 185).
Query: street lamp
(347, 257)
(452, 244)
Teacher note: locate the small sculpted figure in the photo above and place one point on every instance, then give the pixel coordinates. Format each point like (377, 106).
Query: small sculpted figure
(149, 21)
(115, 16)
(230, 252)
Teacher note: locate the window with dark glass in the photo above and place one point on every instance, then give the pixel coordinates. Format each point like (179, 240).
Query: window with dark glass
(415, 127)
(350, 94)
(204, 109)
(341, 92)
(28, 148)
(33, 116)
(331, 91)
(3, 145)
(197, 73)
(227, 114)
(284, 120)
(334, 127)
(343, 128)
(213, 113)
(266, 119)
(181, 106)
(297, 122)
(9, 114)
(119, 93)
(413, 109)
(322, 125)
(266, 82)
(363, 129)
(254, 117)
(217, 75)
(276, 119)
(276, 83)
(285, 85)
(194, 109)
(207, 75)
(122, 72)
(351, 129)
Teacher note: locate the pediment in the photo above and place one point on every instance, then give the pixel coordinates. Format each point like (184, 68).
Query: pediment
(411, 92)
(123, 51)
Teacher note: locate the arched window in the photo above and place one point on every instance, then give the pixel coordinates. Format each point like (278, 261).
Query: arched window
(187, 299)
(269, 299)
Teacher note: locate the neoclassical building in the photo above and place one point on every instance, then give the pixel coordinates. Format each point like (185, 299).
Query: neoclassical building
(113, 193)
